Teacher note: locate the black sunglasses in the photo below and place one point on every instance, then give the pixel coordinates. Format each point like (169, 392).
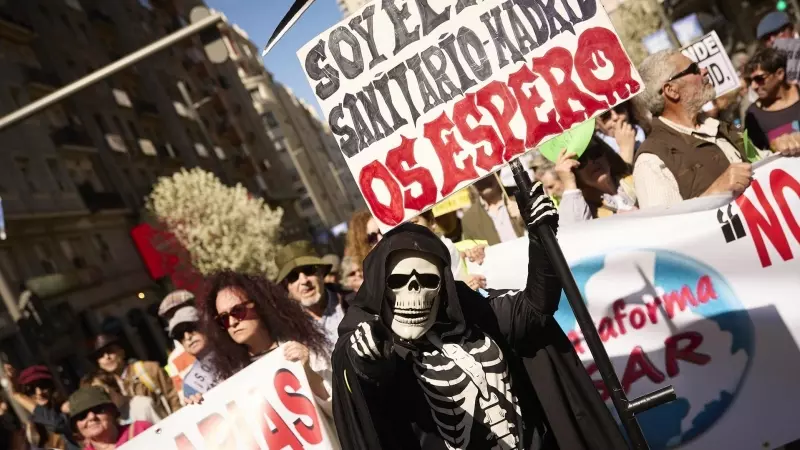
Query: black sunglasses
(758, 79)
(180, 330)
(99, 409)
(30, 388)
(426, 280)
(693, 69)
(372, 238)
(308, 271)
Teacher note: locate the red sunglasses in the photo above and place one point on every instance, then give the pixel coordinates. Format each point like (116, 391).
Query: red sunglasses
(239, 312)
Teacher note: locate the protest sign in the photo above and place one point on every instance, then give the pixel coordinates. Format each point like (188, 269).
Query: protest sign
(268, 406)
(792, 49)
(702, 299)
(426, 97)
(709, 53)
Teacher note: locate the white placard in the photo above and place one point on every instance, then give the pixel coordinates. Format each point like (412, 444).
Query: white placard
(425, 97)
(709, 53)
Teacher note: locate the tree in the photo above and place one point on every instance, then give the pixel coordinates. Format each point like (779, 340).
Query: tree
(220, 227)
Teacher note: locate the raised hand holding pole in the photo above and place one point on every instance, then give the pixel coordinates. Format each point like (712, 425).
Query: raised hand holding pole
(626, 409)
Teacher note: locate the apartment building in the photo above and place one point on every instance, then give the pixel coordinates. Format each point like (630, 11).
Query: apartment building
(348, 7)
(328, 194)
(73, 178)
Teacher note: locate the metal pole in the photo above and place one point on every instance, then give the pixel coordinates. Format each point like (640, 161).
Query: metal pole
(98, 75)
(626, 410)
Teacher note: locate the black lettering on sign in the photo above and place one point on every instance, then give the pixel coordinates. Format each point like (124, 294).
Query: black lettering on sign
(398, 74)
(398, 16)
(449, 46)
(382, 85)
(350, 67)
(553, 16)
(327, 76)
(463, 4)
(438, 70)
(468, 41)
(716, 74)
(368, 34)
(732, 226)
(524, 39)
(429, 98)
(534, 13)
(499, 36)
(348, 141)
(365, 136)
(368, 99)
(430, 18)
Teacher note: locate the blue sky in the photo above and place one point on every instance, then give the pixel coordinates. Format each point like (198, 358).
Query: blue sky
(260, 17)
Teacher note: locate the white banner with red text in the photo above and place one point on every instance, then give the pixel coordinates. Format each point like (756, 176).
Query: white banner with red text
(267, 406)
(702, 296)
(426, 97)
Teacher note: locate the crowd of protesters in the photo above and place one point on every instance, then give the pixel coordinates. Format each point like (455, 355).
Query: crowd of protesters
(676, 141)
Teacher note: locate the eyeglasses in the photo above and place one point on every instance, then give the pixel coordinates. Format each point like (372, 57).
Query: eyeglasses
(693, 69)
(308, 271)
(372, 238)
(239, 312)
(180, 330)
(426, 280)
(758, 79)
(97, 410)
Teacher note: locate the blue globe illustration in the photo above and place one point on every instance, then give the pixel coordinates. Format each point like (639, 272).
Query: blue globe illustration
(707, 384)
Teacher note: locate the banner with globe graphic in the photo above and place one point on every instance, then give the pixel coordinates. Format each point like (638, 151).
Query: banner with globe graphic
(702, 296)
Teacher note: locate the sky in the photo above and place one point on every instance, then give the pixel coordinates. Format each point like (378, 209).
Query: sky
(259, 19)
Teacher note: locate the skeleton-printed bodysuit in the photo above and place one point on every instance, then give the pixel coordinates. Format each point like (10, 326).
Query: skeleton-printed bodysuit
(467, 384)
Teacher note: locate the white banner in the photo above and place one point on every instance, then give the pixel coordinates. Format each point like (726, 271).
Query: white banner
(709, 53)
(267, 406)
(703, 299)
(426, 97)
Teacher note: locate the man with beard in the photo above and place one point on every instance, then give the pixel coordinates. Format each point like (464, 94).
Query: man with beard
(686, 155)
(302, 272)
(423, 362)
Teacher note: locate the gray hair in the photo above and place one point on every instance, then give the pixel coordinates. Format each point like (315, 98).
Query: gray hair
(655, 71)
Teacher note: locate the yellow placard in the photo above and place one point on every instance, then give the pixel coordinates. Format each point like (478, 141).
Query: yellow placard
(452, 203)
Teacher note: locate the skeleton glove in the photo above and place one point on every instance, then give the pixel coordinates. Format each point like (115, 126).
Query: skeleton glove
(537, 209)
(371, 341)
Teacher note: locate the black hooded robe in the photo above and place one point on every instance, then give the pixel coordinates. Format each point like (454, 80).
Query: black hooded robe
(380, 406)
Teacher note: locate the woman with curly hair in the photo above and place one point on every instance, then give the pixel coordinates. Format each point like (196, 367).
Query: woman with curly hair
(247, 317)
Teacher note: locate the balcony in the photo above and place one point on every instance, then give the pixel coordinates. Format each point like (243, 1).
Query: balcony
(41, 79)
(73, 138)
(116, 143)
(99, 201)
(146, 108)
(15, 29)
(147, 147)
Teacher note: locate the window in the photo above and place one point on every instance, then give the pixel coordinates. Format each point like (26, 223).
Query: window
(81, 172)
(8, 265)
(102, 247)
(122, 98)
(25, 169)
(219, 152)
(269, 120)
(58, 176)
(201, 149)
(267, 165)
(73, 249)
(74, 4)
(45, 255)
(118, 124)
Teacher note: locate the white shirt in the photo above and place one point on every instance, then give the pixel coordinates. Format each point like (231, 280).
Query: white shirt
(655, 183)
(502, 222)
(139, 408)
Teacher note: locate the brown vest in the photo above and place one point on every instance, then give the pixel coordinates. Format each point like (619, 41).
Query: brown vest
(694, 163)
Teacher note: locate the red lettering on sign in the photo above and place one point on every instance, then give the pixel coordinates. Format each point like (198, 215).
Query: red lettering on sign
(245, 438)
(536, 130)
(639, 366)
(216, 435)
(686, 353)
(678, 298)
(274, 429)
(502, 116)
(487, 156)
(288, 386)
(561, 59)
(395, 160)
(769, 225)
(183, 443)
(446, 149)
(591, 44)
(576, 340)
(705, 289)
(618, 307)
(606, 329)
(779, 181)
(391, 214)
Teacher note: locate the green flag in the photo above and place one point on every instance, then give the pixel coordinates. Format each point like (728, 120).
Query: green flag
(750, 150)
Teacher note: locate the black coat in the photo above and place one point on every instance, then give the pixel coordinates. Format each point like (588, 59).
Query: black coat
(379, 406)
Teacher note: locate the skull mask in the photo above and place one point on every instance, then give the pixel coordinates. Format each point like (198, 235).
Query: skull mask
(414, 281)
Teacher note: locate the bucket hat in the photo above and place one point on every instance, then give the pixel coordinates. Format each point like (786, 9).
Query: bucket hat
(298, 254)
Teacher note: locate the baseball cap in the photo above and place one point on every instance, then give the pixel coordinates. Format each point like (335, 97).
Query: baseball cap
(186, 314)
(772, 22)
(33, 374)
(173, 300)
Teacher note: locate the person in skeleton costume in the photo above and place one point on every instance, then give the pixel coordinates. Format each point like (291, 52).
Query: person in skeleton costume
(424, 362)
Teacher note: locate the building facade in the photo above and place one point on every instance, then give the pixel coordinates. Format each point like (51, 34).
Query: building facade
(73, 178)
(348, 7)
(327, 192)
